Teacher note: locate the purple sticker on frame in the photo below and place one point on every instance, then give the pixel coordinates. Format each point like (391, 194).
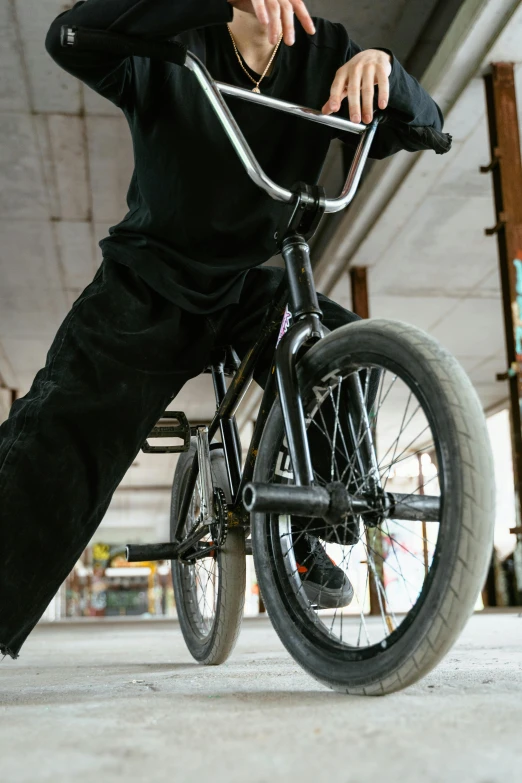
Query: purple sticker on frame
(285, 323)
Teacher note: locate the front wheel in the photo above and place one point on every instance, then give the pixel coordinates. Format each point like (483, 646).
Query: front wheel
(415, 582)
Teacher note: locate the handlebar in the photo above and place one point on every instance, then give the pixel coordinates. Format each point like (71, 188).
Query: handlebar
(174, 52)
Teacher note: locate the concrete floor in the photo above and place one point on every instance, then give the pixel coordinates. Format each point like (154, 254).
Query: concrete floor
(124, 702)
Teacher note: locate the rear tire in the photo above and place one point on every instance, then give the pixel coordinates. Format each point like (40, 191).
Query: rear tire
(210, 627)
(465, 529)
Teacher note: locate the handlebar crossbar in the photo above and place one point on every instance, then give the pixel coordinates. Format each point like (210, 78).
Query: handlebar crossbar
(174, 52)
(292, 108)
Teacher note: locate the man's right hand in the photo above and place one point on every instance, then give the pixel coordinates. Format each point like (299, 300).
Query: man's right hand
(278, 16)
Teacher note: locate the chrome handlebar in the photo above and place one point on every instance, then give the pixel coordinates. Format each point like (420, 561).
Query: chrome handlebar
(174, 52)
(214, 90)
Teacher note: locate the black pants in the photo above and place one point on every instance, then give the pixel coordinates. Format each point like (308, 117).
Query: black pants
(118, 359)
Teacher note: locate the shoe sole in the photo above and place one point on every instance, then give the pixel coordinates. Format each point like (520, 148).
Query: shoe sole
(325, 598)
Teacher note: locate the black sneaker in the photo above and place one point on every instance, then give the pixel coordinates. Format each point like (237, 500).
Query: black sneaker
(324, 583)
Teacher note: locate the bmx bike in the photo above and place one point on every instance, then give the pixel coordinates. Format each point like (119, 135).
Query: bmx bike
(398, 487)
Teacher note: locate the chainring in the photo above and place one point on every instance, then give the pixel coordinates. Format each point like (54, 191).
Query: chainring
(219, 528)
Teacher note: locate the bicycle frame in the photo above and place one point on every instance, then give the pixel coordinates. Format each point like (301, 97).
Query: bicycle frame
(306, 327)
(304, 306)
(306, 205)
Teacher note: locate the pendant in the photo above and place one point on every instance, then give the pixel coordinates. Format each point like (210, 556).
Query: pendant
(256, 89)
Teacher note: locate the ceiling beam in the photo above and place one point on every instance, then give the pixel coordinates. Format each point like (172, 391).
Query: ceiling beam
(460, 56)
(421, 30)
(410, 27)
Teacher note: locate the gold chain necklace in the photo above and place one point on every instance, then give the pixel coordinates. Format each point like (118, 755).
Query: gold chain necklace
(240, 61)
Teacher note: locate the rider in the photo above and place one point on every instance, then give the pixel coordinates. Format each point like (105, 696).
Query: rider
(182, 271)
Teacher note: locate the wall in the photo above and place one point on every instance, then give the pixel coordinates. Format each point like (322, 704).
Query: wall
(5, 402)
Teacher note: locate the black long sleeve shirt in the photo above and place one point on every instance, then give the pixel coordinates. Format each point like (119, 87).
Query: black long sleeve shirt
(196, 222)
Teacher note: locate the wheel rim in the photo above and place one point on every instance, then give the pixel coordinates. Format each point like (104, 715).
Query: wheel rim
(392, 565)
(200, 580)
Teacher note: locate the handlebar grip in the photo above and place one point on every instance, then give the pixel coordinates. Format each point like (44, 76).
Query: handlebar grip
(83, 39)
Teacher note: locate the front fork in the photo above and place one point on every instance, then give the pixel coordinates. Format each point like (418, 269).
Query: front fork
(308, 328)
(293, 413)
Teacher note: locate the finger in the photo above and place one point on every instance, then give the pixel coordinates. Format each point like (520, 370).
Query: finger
(354, 95)
(329, 109)
(301, 11)
(337, 91)
(274, 20)
(367, 93)
(383, 83)
(261, 12)
(287, 18)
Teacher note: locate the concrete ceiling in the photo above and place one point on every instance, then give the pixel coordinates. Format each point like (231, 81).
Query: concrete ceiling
(65, 163)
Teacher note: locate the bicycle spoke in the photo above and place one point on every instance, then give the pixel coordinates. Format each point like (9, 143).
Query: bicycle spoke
(201, 577)
(395, 444)
(405, 449)
(389, 575)
(336, 426)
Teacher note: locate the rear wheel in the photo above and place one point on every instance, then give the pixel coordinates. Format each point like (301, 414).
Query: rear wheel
(209, 592)
(415, 582)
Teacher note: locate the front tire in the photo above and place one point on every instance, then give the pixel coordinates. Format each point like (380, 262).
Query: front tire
(445, 595)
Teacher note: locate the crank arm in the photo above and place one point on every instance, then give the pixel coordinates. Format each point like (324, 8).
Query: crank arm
(199, 552)
(204, 478)
(192, 540)
(139, 553)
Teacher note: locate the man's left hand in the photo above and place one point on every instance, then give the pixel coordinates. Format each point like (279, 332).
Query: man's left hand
(357, 79)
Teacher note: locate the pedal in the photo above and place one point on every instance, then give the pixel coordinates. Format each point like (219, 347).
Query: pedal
(173, 424)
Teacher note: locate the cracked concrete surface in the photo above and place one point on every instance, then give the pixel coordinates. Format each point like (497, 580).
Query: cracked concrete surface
(118, 702)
